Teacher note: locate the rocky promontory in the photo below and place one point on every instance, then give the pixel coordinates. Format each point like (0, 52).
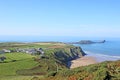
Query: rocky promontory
(88, 42)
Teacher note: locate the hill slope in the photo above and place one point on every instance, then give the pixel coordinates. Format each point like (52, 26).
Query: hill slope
(22, 65)
(102, 71)
(53, 64)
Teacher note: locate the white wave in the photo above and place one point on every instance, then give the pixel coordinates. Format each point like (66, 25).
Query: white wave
(102, 57)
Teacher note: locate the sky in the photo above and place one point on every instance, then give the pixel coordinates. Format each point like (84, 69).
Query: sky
(82, 18)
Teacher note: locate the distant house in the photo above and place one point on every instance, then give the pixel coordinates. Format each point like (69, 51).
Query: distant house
(31, 51)
(20, 50)
(1, 52)
(41, 51)
(6, 51)
(2, 58)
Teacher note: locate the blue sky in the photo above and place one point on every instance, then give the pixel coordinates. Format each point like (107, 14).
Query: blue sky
(82, 18)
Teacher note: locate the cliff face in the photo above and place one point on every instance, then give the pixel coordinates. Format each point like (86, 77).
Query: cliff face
(66, 54)
(78, 51)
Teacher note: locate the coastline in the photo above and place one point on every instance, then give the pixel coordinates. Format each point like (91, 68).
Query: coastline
(102, 57)
(91, 58)
(83, 61)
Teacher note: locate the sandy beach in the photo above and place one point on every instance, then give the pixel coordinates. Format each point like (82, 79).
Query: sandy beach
(83, 61)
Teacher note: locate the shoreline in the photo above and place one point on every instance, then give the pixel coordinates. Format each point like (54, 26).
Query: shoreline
(82, 61)
(102, 57)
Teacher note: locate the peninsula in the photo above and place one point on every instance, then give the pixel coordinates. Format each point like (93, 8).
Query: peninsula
(88, 42)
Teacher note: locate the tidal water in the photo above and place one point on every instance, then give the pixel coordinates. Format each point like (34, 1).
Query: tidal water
(108, 51)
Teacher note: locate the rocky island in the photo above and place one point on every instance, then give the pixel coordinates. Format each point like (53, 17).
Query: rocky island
(88, 42)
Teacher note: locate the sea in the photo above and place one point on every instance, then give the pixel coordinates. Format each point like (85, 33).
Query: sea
(108, 51)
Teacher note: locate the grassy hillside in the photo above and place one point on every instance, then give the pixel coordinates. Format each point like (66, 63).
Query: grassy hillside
(19, 66)
(16, 61)
(53, 65)
(101, 71)
(13, 45)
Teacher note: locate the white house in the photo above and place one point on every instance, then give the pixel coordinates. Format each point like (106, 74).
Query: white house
(6, 51)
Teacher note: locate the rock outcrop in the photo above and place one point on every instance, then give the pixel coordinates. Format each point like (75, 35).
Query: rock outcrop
(88, 42)
(67, 54)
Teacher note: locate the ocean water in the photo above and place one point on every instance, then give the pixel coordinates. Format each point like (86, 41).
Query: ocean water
(110, 50)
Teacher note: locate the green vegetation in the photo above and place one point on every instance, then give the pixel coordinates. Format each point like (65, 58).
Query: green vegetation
(101, 71)
(16, 61)
(52, 65)
(16, 57)
(22, 65)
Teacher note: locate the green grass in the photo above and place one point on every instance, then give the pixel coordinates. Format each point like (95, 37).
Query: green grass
(20, 77)
(22, 66)
(101, 71)
(23, 61)
(13, 45)
(17, 56)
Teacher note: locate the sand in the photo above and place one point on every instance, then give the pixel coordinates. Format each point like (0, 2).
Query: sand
(83, 61)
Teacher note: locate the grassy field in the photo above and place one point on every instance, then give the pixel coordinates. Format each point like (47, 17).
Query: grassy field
(21, 77)
(16, 61)
(13, 45)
